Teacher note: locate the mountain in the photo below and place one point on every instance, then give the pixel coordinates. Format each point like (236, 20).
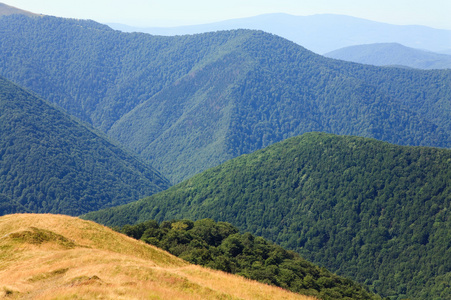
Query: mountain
(6, 10)
(320, 33)
(50, 162)
(392, 54)
(219, 245)
(61, 257)
(374, 212)
(188, 103)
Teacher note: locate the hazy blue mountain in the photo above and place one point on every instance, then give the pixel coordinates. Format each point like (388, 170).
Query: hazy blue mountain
(321, 33)
(188, 103)
(369, 210)
(392, 54)
(50, 162)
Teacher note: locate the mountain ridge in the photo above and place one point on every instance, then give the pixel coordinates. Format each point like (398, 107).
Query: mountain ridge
(188, 103)
(320, 33)
(392, 54)
(6, 10)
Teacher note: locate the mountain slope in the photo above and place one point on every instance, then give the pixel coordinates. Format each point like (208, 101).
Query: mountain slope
(49, 162)
(321, 33)
(6, 10)
(220, 246)
(189, 103)
(51, 256)
(372, 211)
(392, 54)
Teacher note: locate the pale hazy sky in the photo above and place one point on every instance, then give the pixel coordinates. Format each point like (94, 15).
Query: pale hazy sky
(433, 13)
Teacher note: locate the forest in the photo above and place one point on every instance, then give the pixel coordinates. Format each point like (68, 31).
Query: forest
(188, 103)
(52, 163)
(368, 210)
(220, 246)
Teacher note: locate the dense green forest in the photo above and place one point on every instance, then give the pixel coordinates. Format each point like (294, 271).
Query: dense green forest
(50, 162)
(187, 103)
(220, 246)
(368, 210)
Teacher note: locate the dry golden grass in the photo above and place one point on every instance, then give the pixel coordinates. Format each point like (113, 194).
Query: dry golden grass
(61, 257)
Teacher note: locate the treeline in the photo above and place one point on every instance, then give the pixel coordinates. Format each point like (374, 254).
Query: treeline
(220, 246)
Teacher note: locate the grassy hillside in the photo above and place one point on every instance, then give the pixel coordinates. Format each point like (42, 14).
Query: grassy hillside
(188, 103)
(392, 54)
(49, 162)
(60, 257)
(369, 210)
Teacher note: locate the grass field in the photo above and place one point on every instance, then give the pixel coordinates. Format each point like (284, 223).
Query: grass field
(60, 257)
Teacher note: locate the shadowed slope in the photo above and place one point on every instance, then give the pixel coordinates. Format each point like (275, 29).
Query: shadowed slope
(50, 162)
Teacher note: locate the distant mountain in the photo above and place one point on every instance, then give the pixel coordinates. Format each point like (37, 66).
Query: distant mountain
(49, 162)
(6, 10)
(372, 211)
(320, 33)
(188, 103)
(61, 257)
(392, 54)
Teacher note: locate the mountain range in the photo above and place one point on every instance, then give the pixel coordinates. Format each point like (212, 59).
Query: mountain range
(50, 162)
(371, 211)
(320, 33)
(93, 113)
(392, 54)
(188, 103)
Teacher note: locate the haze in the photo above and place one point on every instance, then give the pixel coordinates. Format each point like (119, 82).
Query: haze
(433, 13)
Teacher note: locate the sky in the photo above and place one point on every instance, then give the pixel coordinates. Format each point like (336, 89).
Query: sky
(432, 13)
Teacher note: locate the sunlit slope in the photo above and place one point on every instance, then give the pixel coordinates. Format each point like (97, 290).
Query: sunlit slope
(55, 256)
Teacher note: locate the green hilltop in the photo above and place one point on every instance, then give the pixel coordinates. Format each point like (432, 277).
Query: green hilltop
(50, 162)
(188, 103)
(369, 210)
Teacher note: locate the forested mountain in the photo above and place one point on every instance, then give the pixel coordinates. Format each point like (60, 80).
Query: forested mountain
(369, 210)
(219, 245)
(188, 103)
(392, 54)
(49, 162)
(320, 33)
